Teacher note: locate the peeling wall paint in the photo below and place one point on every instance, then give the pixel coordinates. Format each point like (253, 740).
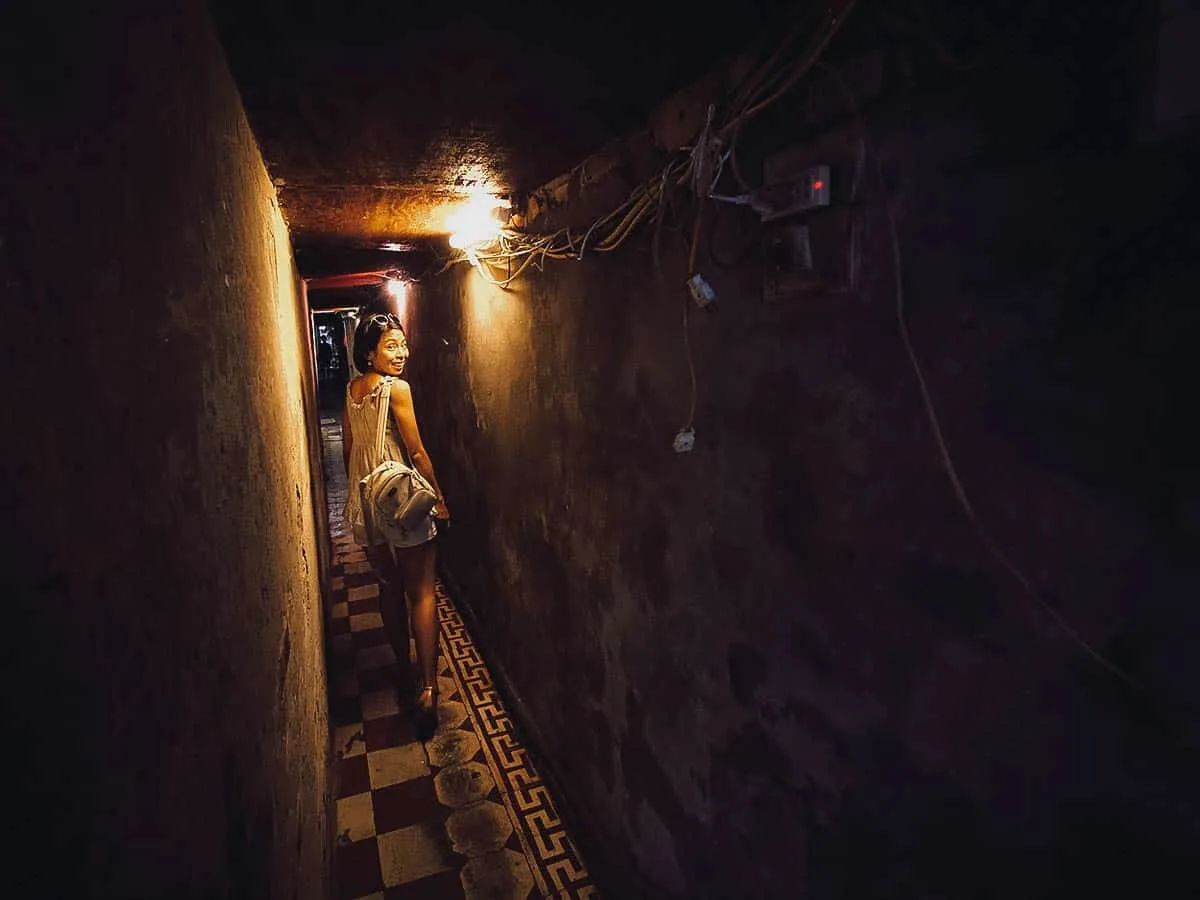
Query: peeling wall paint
(166, 687)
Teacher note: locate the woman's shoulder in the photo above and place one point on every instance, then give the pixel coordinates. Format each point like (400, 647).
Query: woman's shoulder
(399, 395)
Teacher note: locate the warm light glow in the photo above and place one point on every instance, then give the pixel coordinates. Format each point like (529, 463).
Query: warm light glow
(498, 357)
(474, 222)
(287, 339)
(398, 291)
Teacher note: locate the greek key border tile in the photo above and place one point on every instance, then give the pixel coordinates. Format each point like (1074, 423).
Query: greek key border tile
(556, 863)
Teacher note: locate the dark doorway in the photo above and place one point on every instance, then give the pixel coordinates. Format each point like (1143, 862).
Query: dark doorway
(333, 359)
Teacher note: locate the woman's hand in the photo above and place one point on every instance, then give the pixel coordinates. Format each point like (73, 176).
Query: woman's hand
(441, 511)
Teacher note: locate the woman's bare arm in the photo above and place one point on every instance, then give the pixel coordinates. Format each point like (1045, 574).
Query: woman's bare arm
(406, 419)
(347, 437)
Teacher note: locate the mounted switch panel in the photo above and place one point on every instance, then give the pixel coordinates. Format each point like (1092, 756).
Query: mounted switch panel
(807, 190)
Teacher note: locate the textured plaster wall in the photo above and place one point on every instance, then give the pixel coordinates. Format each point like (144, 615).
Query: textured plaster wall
(164, 693)
(784, 665)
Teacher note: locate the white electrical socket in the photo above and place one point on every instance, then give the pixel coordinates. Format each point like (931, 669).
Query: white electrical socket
(702, 291)
(684, 441)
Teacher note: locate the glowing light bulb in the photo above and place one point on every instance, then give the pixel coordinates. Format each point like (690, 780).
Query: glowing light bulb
(474, 222)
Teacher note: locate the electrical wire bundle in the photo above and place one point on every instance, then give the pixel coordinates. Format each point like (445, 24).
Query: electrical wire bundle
(701, 165)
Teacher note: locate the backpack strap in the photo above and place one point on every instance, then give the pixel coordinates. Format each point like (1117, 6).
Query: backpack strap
(385, 408)
(368, 509)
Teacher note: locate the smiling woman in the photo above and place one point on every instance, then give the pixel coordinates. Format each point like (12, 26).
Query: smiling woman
(380, 425)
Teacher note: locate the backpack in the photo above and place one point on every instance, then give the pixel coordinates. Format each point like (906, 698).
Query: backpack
(396, 498)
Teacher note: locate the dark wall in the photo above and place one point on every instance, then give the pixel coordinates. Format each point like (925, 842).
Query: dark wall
(785, 664)
(165, 718)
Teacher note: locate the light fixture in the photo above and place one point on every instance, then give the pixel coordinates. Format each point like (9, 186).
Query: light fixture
(397, 289)
(475, 222)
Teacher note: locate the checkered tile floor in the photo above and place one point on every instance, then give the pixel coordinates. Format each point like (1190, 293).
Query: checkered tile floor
(464, 815)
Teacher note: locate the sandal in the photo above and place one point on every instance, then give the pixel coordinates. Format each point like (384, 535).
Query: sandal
(426, 710)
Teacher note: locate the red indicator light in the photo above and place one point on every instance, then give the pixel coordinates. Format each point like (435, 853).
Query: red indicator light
(818, 184)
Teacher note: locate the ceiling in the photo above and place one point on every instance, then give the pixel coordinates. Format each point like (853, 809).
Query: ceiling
(373, 115)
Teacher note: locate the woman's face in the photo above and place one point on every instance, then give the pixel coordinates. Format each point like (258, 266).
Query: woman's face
(390, 355)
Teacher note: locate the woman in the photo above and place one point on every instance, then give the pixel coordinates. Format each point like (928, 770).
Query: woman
(405, 566)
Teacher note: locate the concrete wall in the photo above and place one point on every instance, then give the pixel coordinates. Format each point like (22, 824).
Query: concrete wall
(164, 691)
(784, 664)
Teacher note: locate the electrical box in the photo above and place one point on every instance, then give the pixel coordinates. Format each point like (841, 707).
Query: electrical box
(787, 261)
(817, 256)
(794, 192)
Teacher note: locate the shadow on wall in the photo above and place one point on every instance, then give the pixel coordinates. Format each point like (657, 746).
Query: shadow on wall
(784, 663)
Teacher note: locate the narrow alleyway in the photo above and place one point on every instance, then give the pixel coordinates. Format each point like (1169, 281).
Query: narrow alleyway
(465, 815)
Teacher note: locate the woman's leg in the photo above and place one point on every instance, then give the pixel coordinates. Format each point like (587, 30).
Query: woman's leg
(417, 567)
(393, 611)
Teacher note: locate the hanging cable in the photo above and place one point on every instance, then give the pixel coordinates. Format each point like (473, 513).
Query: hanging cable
(702, 164)
(687, 338)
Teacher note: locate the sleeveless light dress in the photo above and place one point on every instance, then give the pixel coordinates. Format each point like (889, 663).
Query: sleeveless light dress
(363, 417)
